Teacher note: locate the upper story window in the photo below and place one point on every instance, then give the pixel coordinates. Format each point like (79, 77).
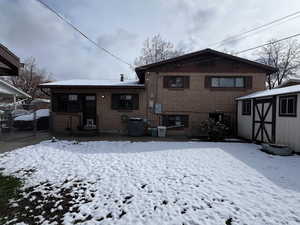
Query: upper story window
(288, 105)
(228, 82)
(125, 101)
(176, 82)
(246, 107)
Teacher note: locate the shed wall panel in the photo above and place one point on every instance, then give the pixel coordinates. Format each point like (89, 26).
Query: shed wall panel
(288, 128)
(244, 122)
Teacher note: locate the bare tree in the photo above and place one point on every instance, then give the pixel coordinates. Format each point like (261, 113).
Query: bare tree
(29, 78)
(156, 49)
(282, 55)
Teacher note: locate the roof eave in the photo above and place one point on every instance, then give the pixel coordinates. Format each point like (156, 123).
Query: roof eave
(93, 86)
(269, 69)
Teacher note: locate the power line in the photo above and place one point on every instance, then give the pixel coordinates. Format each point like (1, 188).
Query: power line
(251, 34)
(256, 28)
(249, 49)
(269, 43)
(83, 34)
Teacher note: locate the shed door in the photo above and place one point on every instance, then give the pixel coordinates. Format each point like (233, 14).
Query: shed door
(264, 112)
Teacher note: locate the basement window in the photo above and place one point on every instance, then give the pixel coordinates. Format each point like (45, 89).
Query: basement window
(176, 121)
(288, 105)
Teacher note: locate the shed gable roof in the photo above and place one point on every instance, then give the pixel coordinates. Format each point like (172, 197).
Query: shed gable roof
(272, 92)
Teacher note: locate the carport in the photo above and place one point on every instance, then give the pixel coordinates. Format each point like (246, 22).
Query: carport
(7, 90)
(10, 66)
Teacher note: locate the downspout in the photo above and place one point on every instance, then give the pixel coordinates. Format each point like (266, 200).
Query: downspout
(15, 102)
(156, 98)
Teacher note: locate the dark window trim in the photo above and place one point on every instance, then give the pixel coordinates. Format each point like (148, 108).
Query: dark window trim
(186, 82)
(80, 100)
(294, 114)
(244, 108)
(135, 99)
(165, 118)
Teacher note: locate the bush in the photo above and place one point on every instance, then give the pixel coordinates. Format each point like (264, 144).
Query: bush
(215, 131)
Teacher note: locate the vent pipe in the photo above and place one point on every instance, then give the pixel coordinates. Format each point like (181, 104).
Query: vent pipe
(121, 77)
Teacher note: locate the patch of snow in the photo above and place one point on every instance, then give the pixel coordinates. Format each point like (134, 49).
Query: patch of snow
(291, 79)
(83, 82)
(40, 100)
(166, 182)
(19, 112)
(29, 117)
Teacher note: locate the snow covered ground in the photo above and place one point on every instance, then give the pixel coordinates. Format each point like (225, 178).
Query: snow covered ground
(162, 182)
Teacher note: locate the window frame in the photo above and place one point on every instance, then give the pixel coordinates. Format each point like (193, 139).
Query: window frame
(245, 112)
(185, 81)
(73, 97)
(227, 77)
(63, 103)
(185, 121)
(116, 106)
(287, 114)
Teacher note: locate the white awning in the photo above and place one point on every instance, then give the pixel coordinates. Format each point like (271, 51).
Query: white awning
(8, 89)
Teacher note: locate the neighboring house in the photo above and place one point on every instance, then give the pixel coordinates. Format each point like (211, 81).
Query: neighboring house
(9, 66)
(7, 90)
(271, 116)
(180, 92)
(289, 82)
(40, 103)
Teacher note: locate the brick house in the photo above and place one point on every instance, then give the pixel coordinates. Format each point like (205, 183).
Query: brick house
(179, 92)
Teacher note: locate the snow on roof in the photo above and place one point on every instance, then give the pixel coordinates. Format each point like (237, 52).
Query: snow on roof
(40, 100)
(29, 117)
(290, 80)
(81, 82)
(8, 89)
(275, 91)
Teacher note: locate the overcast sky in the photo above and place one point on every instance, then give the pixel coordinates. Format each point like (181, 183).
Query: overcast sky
(28, 29)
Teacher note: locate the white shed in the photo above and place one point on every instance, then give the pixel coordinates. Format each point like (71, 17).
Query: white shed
(271, 116)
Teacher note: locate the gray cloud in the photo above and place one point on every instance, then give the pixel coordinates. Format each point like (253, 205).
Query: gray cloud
(30, 30)
(120, 36)
(202, 18)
